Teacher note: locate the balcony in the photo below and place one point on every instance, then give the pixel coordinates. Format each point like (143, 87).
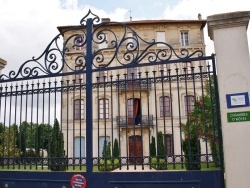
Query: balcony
(133, 85)
(143, 120)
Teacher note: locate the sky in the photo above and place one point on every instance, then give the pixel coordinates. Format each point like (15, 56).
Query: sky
(28, 26)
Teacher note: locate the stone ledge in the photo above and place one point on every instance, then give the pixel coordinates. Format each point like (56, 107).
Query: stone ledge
(227, 20)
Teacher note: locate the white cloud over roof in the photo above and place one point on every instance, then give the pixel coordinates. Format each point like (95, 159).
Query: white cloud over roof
(27, 26)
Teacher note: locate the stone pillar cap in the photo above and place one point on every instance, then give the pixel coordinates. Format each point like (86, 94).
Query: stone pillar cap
(227, 20)
(2, 63)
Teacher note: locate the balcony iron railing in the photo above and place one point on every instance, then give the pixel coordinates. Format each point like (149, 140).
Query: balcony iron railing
(129, 85)
(140, 120)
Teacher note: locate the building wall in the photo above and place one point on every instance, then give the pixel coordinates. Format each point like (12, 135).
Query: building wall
(148, 31)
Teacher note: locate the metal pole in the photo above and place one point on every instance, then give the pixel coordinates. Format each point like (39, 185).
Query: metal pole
(89, 107)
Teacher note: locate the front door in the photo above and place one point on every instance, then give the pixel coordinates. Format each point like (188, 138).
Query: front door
(135, 150)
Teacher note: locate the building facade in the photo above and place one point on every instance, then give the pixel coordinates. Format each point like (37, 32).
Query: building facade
(132, 102)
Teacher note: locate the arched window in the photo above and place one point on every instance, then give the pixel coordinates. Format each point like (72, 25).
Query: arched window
(165, 106)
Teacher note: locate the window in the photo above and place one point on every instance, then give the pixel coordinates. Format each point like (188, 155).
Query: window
(131, 40)
(162, 69)
(78, 43)
(160, 37)
(103, 108)
(164, 106)
(189, 104)
(134, 111)
(102, 140)
(168, 144)
(103, 76)
(78, 109)
(104, 41)
(79, 147)
(78, 77)
(184, 38)
(133, 73)
(187, 66)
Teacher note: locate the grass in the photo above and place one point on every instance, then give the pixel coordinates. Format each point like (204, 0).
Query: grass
(78, 168)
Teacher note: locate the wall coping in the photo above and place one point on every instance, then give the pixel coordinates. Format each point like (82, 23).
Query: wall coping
(227, 20)
(2, 63)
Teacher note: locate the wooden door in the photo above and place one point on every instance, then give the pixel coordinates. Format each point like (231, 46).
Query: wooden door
(135, 150)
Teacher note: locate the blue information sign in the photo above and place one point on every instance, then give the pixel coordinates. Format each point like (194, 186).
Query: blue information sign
(237, 100)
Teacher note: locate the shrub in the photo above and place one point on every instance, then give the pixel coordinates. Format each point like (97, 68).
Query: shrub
(159, 164)
(108, 165)
(192, 150)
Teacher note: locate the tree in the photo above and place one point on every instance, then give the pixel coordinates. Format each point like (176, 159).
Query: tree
(116, 151)
(56, 150)
(202, 121)
(160, 146)
(8, 148)
(192, 149)
(106, 152)
(152, 147)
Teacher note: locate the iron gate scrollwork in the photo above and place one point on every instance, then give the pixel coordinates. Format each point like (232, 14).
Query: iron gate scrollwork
(108, 101)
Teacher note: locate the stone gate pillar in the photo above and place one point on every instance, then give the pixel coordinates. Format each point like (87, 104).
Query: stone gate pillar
(228, 31)
(2, 63)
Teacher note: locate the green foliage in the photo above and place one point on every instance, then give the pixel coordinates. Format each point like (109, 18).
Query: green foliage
(108, 165)
(202, 121)
(106, 151)
(160, 146)
(116, 151)
(8, 146)
(192, 150)
(57, 160)
(152, 147)
(34, 136)
(159, 164)
(158, 161)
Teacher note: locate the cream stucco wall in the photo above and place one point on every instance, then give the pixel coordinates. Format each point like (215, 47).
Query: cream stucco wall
(228, 31)
(147, 31)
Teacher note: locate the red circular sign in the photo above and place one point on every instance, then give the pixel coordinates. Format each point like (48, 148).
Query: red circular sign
(78, 181)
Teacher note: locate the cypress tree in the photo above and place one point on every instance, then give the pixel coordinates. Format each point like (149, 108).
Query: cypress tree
(56, 152)
(116, 151)
(160, 145)
(152, 147)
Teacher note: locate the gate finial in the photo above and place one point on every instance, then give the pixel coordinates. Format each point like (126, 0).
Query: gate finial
(89, 15)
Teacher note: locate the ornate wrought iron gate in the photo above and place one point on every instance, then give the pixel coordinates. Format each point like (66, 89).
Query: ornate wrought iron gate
(124, 115)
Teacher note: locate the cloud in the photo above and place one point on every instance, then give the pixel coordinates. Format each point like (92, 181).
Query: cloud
(28, 26)
(189, 9)
(27, 30)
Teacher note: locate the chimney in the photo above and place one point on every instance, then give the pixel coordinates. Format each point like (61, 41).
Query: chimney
(105, 19)
(199, 16)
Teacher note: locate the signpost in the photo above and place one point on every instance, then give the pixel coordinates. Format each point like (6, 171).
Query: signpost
(78, 181)
(238, 116)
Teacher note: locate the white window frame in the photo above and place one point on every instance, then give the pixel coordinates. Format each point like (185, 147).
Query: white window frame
(184, 38)
(160, 37)
(79, 110)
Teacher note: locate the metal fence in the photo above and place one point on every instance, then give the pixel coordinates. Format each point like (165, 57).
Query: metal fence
(71, 114)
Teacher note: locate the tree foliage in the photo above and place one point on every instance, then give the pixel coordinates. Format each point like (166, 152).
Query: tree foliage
(160, 146)
(202, 121)
(8, 146)
(56, 149)
(116, 151)
(152, 147)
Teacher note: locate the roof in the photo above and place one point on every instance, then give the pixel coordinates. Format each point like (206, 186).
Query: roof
(143, 22)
